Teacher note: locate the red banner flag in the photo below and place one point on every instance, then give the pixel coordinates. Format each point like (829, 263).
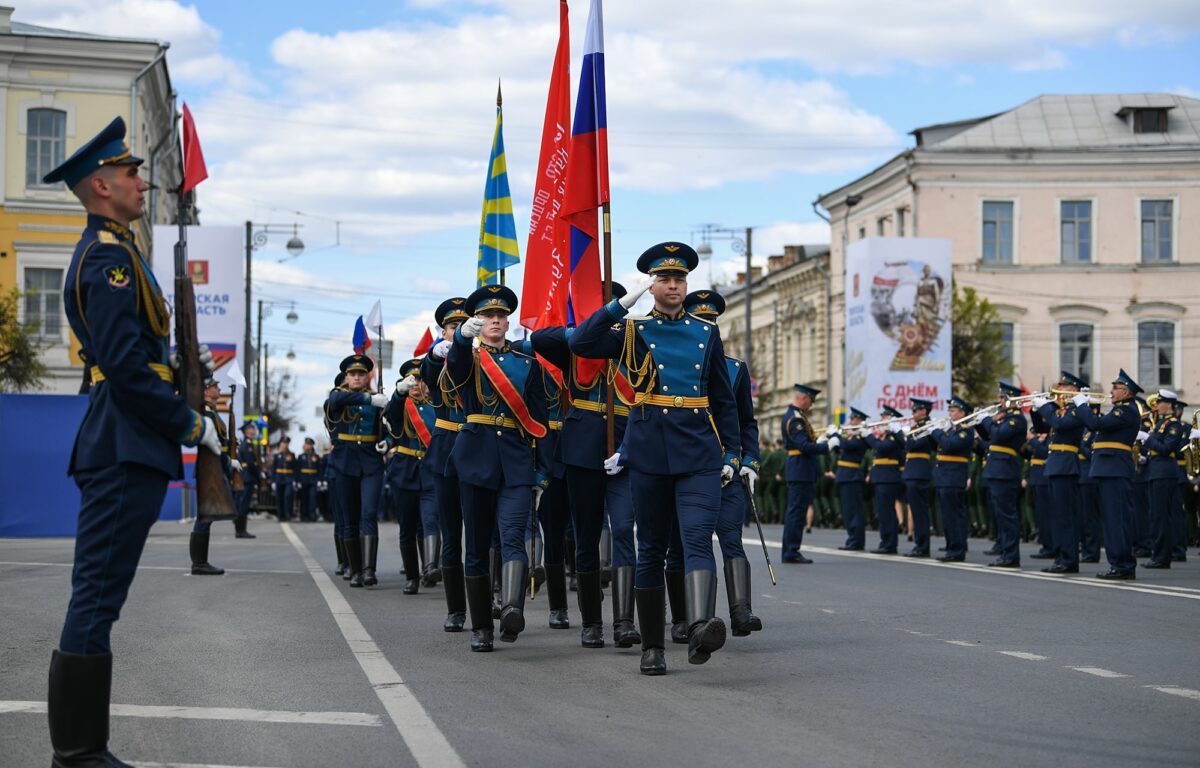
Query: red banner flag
(424, 344)
(194, 170)
(547, 273)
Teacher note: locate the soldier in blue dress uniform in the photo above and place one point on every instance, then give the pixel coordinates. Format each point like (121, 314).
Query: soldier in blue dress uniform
(502, 396)
(887, 443)
(308, 467)
(410, 420)
(339, 519)
(1179, 505)
(283, 476)
(709, 305)
(1062, 474)
(917, 475)
(356, 414)
(202, 529)
(438, 457)
(247, 456)
(1006, 433)
(127, 447)
(1163, 445)
(1089, 498)
(1113, 469)
(852, 450)
(1139, 497)
(1037, 449)
(682, 442)
(803, 447)
(954, 448)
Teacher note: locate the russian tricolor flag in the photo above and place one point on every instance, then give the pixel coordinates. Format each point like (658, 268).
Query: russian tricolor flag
(587, 175)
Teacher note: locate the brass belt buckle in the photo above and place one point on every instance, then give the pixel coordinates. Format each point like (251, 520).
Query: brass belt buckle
(499, 421)
(678, 401)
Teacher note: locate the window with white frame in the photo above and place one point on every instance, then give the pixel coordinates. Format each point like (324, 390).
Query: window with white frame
(45, 143)
(1156, 353)
(998, 232)
(1075, 231)
(1156, 231)
(1075, 349)
(43, 302)
(1007, 332)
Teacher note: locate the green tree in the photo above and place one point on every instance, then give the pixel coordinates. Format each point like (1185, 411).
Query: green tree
(979, 357)
(20, 365)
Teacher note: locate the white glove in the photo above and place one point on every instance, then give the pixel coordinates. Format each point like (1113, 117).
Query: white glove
(612, 465)
(726, 475)
(209, 438)
(1081, 400)
(1143, 459)
(831, 430)
(405, 384)
(631, 298)
(834, 441)
(895, 428)
(381, 446)
(296, 485)
(750, 476)
(440, 350)
(379, 400)
(471, 327)
(1142, 436)
(537, 497)
(823, 438)
(1195, 435)
(1038, 402)
(235, 465)
(206, 359)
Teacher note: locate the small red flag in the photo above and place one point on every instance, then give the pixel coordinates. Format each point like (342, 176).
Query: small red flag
(424, 344)
(194, 170)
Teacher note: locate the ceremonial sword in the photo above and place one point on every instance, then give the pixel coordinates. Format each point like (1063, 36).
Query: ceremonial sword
(758, 523)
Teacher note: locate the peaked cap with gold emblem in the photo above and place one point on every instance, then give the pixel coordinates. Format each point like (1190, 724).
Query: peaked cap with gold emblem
(669, 258)
(450, 310)
(106, 148)
(707, 304)
(492, 298)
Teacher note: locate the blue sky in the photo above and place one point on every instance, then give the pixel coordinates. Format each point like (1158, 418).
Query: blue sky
(379, 115)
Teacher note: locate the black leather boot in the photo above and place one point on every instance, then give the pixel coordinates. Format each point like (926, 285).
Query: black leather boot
(625, 634)
(370, 545)
(679, 625)
(742, 620)
(354, 561)
(569, 563)
(494, 571)
(514, 577)
(198, 547)
(650, 608)
(590, 597)
(556, 592)
(77, 705)
(533, 551)
(706, 632)
(239, 528)
(479, 600)
(412, 569)
(340, 546)
(456, 599)
(606, 571)
(430, 573)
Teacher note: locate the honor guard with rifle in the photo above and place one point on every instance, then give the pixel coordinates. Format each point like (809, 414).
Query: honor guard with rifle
(594, 492)
(709, 305)
(1162, 446)
(198, 541)
(1062, 471)
(917, 475)
(1006, 432)
(356, 414)
(505, 407)
(1113, 469)
(449, 419)
(681, 444)
(283, 477)
(247, 456)
(127, 447)
(308, 470)
(955, 442)
(852, 450)
(803, 447)
(887, 445)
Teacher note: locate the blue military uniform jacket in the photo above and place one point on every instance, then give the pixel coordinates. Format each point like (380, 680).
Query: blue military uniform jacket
(1115, 431)
(584, 439)
(283, 467)
(118, 313)
(406, 459)
(1038, 449)
(851, 452)
(356, 430)
(449, 413)
(953, 457)
(1162, 447)
(248, 458)
(684, 419)
(496, 453)
(739, 375)
(549, 448)
(1064, 440)
(889, 453)
(1005, 438)
(308, 468)
(918, 458)
(802, 447)
(1085, 459)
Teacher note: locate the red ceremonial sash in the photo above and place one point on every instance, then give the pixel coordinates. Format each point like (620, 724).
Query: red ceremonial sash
(414, 418)
(509, 394)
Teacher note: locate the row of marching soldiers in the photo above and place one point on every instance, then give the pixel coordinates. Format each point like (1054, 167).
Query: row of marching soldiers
(495, 439)
(1121, 475)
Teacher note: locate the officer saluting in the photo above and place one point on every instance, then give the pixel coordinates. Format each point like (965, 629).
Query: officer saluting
(681, 442)
(127, 448)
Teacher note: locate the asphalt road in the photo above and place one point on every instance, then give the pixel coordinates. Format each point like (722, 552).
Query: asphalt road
(864, 660)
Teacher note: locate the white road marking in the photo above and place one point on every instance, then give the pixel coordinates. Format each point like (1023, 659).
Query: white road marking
(139, 764)
(770, 597)
(214, 713)
(426, 742)
(1023, 655)
(963, 643)
(1186, 693)
(915, 632)
(1098, 672)
(828, 610)
(792, 602)
(147, 567)
(1079, 581)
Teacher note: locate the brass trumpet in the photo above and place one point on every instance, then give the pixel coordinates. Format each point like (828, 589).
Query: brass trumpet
(1096, 398)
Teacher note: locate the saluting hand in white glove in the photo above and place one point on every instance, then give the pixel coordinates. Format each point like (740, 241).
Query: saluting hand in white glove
(379, 400)
(471, 327)
(440, 350)
(629, 299)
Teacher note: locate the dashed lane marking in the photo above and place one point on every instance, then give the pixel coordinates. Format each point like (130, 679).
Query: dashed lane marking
(1098, 672)
(828, 610)
(1186, 693)
(1023, 655)
(426, 742)
(138, 764)
(963, 643)
(147, 567)
(214, 713)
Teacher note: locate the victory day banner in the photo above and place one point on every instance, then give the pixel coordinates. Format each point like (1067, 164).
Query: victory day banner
(898, 345)
(216, 261)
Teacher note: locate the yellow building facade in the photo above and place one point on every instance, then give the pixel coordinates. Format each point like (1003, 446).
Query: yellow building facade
(58, 89)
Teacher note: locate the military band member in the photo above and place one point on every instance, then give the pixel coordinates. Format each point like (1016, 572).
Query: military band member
(681, 443)
(1140, 493)
(127, 447)
(247, 456)
(356, 414)
(954, 447)
(201, 529)
(308, 468)
(917, 475)
(1179, 529)
(1037, 449)
(494, 457)
(409, 421)
(1089, 498)
(887, 443)
(1005, 432)
(1113, 469)
(1162, 446)
(803, 448)
(1062, 474)
(283, 477)
(852, 450)
(709, 305)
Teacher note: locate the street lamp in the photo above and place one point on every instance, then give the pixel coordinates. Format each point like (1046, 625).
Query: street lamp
(740, 242)
(260, 370)
(254, 241)
(705, 252)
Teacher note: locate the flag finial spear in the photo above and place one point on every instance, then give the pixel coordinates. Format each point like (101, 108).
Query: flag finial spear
(499, 100)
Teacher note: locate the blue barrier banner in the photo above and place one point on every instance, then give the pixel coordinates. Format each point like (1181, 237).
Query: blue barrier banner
(37, 433)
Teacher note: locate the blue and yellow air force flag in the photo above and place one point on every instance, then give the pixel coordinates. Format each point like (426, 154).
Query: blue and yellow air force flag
(497, 230)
